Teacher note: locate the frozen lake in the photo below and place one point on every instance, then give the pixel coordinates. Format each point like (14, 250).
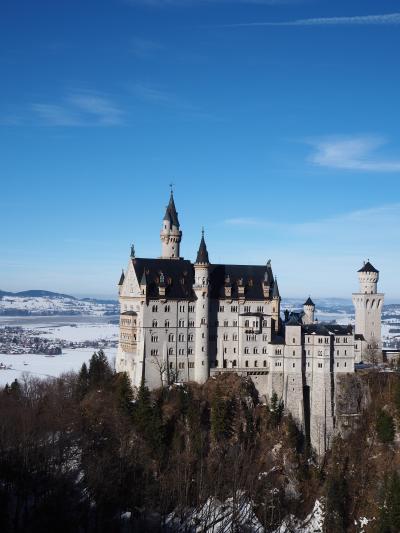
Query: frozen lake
(75, 329)
(43, 366)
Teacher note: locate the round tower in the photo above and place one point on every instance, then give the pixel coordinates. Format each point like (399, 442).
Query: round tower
(309, 309)
(368, 305)
(201, 290)
(368, 277)
(170, 234)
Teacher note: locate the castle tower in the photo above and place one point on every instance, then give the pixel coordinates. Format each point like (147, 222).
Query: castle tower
(170, 234)
(308, 308)
(368, 305)
(276, 305)
(201, 289)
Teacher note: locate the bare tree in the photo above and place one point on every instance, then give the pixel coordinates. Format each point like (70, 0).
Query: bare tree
(372, 353)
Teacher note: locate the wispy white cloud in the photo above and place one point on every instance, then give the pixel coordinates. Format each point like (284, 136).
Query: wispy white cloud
(320, 256)
(80, 108)
(352, 153)
(389, 19)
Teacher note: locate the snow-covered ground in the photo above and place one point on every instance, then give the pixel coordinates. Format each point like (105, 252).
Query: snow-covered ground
(43, 366)
(54, 305)
(80, 332)
(73, 329)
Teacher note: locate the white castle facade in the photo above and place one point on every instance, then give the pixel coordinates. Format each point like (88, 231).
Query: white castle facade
(184, 321)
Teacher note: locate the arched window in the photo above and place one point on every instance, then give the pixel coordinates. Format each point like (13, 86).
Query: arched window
(167, 323)
(246, 350)
(234, 363)
(170, 351)
(155, 323)
(264, 363)
(246, 363)
(255, 363)
(255, 350)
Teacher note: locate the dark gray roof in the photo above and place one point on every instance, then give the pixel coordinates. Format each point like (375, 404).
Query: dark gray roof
(202, 254)
(171, 213)
(130, 313)
(368, 268)
(179, 278)
(293, 321)
(327, 329)
(121, 279)
(309, 302)
(359, 337)
(275, 290)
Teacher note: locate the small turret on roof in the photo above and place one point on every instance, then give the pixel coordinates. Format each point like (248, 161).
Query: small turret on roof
(202, 254)
(367, 267)
(275, 289)
(309, 302)
(143, 281)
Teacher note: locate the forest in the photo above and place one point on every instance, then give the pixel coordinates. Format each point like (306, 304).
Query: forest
(86, 453)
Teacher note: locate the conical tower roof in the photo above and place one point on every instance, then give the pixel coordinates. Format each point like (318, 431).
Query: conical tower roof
(309, 302)
(171, 213)
(275, 290)
(367, 267)
(202, 254)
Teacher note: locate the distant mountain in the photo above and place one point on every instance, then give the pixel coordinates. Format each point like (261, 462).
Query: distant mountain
(47, 303)
(46, 294)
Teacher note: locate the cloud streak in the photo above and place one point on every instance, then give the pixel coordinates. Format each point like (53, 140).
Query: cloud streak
(356, 153)
(81, 108)
(389, 19)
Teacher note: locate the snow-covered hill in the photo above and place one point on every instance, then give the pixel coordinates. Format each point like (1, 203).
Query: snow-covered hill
(45, 303)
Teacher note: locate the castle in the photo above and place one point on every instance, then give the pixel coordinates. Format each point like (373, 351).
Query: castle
(184, 321)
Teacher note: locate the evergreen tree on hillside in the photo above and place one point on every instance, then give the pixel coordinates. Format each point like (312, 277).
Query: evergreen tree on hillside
(221, 416)
(384, 426)
(82, 385)
(336, 503)
(276, 410)
(123, 392)
(100, 372)
(15, 389)
(389, 518)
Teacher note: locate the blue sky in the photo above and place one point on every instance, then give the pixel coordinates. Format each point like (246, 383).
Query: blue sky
(277, 121)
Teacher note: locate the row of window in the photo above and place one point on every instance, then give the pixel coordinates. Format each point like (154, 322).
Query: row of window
(167, 308)
(182, 323)
(246, 363)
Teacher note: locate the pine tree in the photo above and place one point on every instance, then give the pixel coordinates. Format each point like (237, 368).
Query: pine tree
(123, 392)
(15, 389)
(100, 372)
(276, 409)
(384, 426)
(82, 385)
(221, 423)
(336, 506)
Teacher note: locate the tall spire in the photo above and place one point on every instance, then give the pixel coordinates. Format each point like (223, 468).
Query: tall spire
(171, 213)
(275, 290)
(170, 235)
(202, 254)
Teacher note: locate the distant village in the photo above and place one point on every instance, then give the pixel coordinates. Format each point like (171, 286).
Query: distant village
(18, 340)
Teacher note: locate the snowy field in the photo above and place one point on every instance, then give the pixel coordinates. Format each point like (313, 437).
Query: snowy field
(74, 329)
(42, 366)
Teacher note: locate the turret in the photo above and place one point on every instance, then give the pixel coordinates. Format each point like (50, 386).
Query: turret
(368, 305)
(170, 235)
(368, 277)
(309, 309)
(276, 304)
(201, 289)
